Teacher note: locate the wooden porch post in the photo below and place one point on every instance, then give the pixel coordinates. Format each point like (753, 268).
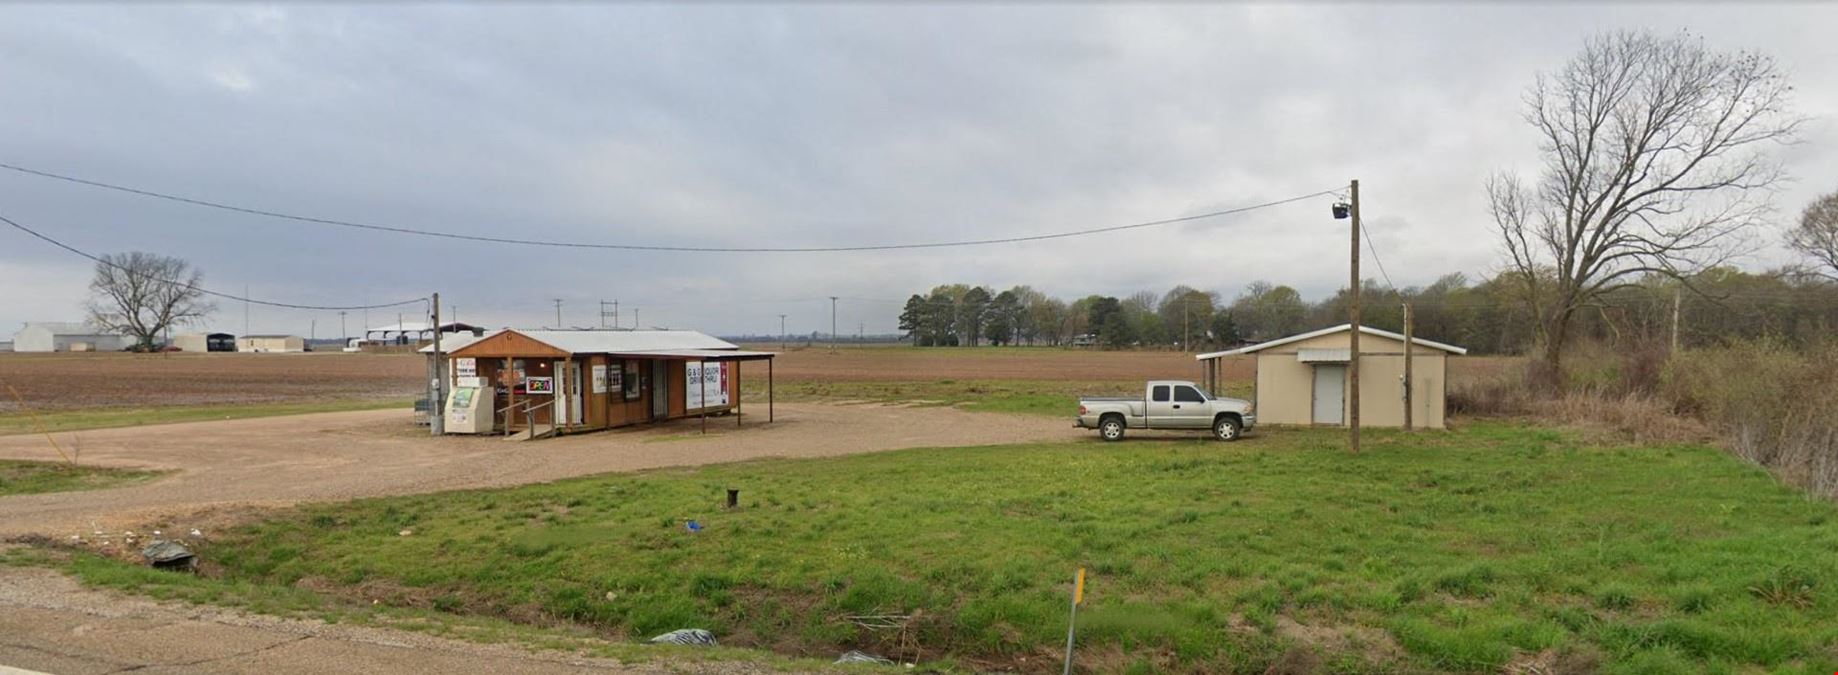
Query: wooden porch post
(769, 390)
(704, 385)
(510, 395)
(737, 393)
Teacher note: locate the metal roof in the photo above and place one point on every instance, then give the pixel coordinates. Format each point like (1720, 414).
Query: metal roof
(1365, 330)
(667, 343)
(421, 327)
(452, 341)
(711, 354)
(72, 328)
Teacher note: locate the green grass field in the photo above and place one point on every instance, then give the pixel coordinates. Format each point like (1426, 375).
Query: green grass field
(1475, 550)
(19, 477)
(104, 418)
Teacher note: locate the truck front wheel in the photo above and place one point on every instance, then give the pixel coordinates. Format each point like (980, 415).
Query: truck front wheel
(1226, 428)
(1111, 428)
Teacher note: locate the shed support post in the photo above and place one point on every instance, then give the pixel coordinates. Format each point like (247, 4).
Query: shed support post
(704, 385)
(768, 391)
(737, 411)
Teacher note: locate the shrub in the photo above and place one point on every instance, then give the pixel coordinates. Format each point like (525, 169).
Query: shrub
(1772, 404)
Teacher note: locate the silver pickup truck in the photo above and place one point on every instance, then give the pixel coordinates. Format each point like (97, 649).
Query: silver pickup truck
(1167, 404)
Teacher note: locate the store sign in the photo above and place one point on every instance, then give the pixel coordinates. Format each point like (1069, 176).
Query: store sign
(466, 367)
(599, 379)
(705, 385)
(539, 385)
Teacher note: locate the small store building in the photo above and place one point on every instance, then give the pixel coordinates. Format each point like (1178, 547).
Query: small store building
(1302, 379)
(568, 381)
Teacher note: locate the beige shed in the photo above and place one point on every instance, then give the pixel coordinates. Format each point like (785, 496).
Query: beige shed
(1302, 379)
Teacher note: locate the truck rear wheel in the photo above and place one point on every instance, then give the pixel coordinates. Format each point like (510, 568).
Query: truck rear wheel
(1226, 428)
(1111, 428)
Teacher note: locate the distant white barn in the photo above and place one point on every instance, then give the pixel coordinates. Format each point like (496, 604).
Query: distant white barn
(53, 336)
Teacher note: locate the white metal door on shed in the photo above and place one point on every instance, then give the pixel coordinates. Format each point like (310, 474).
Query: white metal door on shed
(1330, 393)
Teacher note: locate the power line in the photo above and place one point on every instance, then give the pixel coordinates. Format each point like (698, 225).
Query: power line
(1375, 255)
(227, 296)
(638, 247)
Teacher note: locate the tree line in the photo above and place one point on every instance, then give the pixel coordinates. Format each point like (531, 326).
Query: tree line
(1657, 165)
(1489, 316)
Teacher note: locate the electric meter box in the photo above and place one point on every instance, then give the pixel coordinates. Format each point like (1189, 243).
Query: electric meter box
(469, 411)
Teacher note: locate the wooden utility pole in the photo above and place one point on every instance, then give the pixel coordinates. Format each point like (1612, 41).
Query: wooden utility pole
(1409, 346)
(1353, 336)
(437, 417)
(832, 324)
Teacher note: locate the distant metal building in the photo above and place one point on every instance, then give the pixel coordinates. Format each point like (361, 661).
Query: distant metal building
(271, 343)
(415, 332)
(68, 336)
(205, 342)
(1302, 379)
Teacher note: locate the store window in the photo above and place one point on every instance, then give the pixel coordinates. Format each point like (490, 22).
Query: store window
(630, 380)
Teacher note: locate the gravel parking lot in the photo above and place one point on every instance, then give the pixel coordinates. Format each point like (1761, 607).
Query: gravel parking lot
(238, 464)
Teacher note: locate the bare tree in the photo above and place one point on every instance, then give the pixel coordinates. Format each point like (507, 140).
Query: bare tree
(1655, 162)
(143, 294)
(1817, 235)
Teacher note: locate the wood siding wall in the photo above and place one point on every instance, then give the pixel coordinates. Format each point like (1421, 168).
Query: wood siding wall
(602, 410)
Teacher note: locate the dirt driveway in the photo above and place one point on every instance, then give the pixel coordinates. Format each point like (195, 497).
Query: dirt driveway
(277, 461)
(50, 624)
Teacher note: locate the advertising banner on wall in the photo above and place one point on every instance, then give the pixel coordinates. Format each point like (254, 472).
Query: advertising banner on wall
(705, 385)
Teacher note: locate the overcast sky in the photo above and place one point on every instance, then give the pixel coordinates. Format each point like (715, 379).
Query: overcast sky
(799, 125)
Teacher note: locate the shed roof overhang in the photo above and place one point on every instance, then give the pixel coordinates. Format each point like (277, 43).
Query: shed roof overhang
(1324, 355)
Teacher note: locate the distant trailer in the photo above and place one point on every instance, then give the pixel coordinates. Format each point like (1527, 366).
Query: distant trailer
(270, 343)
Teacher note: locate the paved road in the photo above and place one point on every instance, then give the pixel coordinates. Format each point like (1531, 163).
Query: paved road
(276, 461)
(50, 624)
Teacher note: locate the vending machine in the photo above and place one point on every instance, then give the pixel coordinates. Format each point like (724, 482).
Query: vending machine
(469, 411)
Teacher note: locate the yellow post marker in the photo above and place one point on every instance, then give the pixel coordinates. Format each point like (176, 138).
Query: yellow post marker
(1078, 598)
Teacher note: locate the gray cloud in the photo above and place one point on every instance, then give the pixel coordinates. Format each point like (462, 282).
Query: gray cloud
(789, 125)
